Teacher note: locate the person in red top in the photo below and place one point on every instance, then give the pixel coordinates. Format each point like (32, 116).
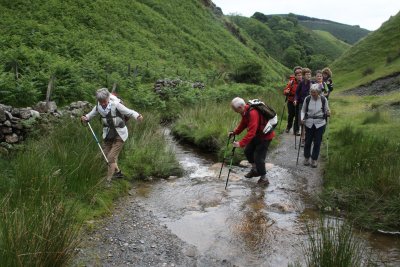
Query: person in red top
(290, 93)
(255, 142)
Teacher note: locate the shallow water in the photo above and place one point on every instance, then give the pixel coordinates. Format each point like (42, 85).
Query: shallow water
(246, 224)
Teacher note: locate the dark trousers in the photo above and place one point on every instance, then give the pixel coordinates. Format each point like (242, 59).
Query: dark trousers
(256, 152)
(313, 135)
(292, 112)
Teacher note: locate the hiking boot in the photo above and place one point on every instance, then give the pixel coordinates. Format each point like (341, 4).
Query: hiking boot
(303, 142)
(297, 133)
(306, 162)
(252, 173)
(118, 175)
(263, 181)
(287, 130)
(314, 164)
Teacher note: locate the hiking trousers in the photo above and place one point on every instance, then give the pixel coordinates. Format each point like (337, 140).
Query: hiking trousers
(256, 152)
(292, 112)
(313, 135)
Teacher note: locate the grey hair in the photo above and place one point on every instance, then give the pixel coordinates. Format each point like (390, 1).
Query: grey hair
(315, 88)
(102, 94)
(238, 102)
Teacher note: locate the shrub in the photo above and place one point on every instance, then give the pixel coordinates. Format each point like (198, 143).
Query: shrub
(368, 71)
(250, 72)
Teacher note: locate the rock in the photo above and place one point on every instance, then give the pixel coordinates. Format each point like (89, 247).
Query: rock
(16, 112)
(25, 113)
(9, 116)
(190, 252)
(35, 114)
(6, 145)
(44, 107)
(18, 126)
(5, 108)
(12, 139)
(245, 164)
(7, 123)
(6, 130)
(2, 115)
(77, 112)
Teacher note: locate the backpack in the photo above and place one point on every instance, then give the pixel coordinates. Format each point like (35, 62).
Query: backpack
(323, 100)
(266, 112)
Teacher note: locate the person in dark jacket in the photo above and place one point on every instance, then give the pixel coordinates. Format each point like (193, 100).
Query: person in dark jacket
(255, 142)
(290, 92)
(302, 91)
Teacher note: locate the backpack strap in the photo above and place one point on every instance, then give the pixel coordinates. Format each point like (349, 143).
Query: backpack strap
(323, 101)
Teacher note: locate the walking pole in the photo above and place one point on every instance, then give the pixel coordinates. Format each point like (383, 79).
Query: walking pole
(298, 151)
(283, 113)
(223, 161)
(296, 120)
(230, 165)
(327, 138)
(98, 143)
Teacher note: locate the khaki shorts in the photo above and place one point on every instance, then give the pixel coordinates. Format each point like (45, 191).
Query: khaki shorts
(112, 149)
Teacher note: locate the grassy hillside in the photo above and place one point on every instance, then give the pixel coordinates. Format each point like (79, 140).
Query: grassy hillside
(90, 44)
(289, 42)
(376, 56)
(350, 34)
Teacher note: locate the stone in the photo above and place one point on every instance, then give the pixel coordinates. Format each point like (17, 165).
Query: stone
(12, 139)
(6, 130)
(25, 113)
(5, 108)
(3, 151)
(2, 115)
(7, 123)
(9, 116)
(18, 126)
(44, 107)
(35, 114)
(6, 145)
(245, 164)
(16, 112)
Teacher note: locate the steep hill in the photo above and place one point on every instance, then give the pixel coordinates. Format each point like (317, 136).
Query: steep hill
(88, 44)
(291, 43)
(376, 56)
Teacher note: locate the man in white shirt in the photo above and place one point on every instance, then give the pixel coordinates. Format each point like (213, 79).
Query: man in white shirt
(113, 116)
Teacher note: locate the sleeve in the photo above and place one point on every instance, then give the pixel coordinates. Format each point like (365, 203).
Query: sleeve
(298, 90)
(127, 112)
(239, 129)
(252, 128)
(286, 91)
(303, 109)
(92, 113)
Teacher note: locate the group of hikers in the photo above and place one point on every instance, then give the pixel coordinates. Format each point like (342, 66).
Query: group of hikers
(308, 111)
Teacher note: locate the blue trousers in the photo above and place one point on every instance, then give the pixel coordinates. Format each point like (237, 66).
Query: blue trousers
(313, 135)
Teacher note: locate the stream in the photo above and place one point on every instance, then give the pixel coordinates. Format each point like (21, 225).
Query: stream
(193, 221)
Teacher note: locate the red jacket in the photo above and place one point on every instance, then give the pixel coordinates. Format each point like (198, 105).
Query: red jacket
(290, 89)
(255, 124)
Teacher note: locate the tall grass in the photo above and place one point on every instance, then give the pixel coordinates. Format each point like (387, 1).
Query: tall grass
(332, 244)
(56, 183)
(148, 153)
(362, 177)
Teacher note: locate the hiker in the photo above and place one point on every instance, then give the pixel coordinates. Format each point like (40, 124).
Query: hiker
(290, 92)
(319, 79)
(313, 116)
(256, 142)
(327, 77)
(113, 116)
(302, 91)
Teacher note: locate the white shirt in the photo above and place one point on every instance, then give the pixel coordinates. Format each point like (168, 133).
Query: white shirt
(315, 113)
(122, 132)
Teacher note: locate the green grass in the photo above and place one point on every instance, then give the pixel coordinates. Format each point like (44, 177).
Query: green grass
(88, 45)
(333, 244)
(379, 53)
(56, 183)
(332, 46)
(207, 124)
(362, 176)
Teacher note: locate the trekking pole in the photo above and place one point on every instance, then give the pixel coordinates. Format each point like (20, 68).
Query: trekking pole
(283, 113)
(295, 120)
(327, 138)
(230, 165)
(223, 161)
(298, 151)
(98, 143)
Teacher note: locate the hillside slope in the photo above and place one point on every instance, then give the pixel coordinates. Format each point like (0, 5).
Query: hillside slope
(291, 43)
(90, 44)
(376, 56)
